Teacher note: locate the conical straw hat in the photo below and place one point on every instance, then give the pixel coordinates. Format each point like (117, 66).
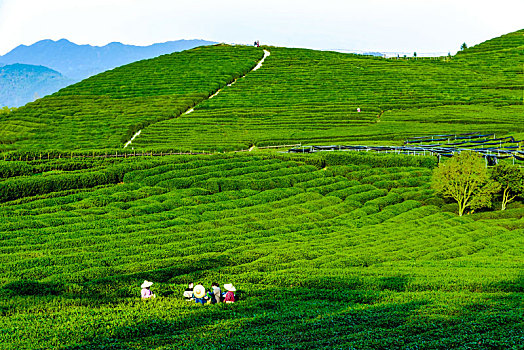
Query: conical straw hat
(230, 287)
(146, 284)
(199, 291)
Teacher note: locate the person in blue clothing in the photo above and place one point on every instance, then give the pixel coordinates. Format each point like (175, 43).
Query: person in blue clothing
(199, 292)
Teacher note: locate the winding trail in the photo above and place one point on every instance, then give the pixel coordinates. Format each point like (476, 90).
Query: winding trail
(191, 109)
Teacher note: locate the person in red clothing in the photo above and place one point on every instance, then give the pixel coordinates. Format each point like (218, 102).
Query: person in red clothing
(230, 295)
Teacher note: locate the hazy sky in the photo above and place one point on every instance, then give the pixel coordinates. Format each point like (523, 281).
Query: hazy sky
(360, 25)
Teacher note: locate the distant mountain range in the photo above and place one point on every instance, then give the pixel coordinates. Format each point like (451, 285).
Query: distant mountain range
(81, 61)
(72, 62)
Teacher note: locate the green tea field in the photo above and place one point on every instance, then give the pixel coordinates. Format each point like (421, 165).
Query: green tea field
(360, 255)
(328, 250)
(298, 96)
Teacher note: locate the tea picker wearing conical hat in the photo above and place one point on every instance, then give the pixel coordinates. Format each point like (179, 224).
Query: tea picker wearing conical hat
(199, 293)
(146, 292)
(230, 295)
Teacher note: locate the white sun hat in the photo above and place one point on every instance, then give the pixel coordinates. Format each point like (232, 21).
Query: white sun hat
(199, 291)
(230, 287)
(146, 284)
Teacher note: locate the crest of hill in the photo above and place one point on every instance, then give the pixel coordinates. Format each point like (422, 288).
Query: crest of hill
(103, 110)
(510, 41)
(298, 96)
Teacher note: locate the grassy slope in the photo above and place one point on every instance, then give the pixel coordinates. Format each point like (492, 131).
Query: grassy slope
(359, 256)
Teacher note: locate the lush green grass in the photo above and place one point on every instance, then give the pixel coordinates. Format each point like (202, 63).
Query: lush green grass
(360, 255)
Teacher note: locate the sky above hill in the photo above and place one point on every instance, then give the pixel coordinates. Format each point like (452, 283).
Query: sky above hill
(429, 26)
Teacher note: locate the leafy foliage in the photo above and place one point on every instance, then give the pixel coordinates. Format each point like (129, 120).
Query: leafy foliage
(465, 178)
(6, 110)
(511, 180)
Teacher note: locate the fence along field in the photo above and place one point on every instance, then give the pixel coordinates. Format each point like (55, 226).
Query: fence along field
(492, 149)
(345, 250)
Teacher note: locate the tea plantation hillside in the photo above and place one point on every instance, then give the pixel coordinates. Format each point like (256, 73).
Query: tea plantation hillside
(312, 97)
(346, 250)
(324, 255)
(105, 110)
(298, 96)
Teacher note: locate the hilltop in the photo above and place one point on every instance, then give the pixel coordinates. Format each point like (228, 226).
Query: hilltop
(72, 63)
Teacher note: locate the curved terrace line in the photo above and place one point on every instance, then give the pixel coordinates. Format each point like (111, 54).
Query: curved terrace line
(191, 109)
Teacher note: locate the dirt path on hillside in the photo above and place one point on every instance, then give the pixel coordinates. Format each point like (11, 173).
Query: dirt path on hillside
(191, 109)
(134, 136)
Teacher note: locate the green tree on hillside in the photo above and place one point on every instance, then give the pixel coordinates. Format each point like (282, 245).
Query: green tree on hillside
(463, 47)
(465, 178)
(511, 180)
(6, 110)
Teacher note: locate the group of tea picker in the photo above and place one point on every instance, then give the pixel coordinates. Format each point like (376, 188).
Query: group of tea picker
(198, 293)
(214, 295)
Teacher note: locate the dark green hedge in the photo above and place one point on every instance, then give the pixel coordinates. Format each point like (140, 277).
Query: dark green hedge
(15, 188)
